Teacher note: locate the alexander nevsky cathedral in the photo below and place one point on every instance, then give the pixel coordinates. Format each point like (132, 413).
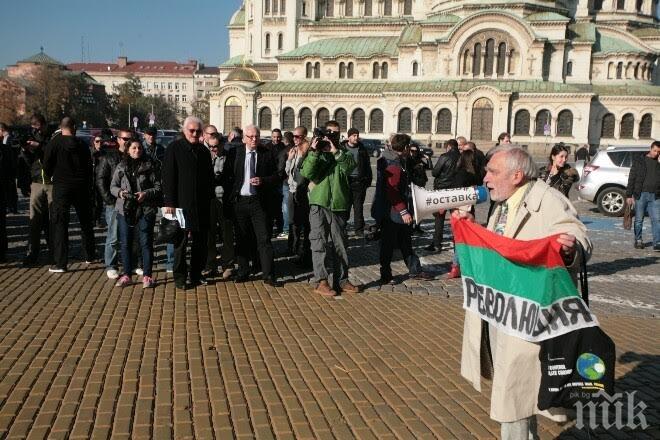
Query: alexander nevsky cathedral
(575, 71)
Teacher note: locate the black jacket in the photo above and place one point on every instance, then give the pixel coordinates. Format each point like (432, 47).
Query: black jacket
(188, 181)
(363, 165)
(105, 169)
(637, 176)
(30, 162)
(445, 169)
(6, 173)
(562, 181)
(69, 161)
(267, 170)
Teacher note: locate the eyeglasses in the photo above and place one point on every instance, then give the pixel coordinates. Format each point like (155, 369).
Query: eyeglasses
(193, 131)
(256, 136)
(97, 141)
(126, 139)
(297, 136)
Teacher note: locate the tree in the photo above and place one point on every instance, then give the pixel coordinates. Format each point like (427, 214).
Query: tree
(201, 109)
(12, 101)
(130, 93)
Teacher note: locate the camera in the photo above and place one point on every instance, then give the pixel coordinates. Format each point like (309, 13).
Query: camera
(130, 205)
(321, 133)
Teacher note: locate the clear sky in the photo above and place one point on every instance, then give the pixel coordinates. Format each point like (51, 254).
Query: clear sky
(173, 30)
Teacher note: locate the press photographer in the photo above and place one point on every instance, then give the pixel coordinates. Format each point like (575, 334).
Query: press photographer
(328, 168)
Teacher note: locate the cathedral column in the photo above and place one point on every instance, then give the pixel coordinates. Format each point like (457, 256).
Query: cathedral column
(557, 62)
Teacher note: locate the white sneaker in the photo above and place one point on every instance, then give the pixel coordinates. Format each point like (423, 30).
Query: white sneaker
(113, 274)
(138, 272)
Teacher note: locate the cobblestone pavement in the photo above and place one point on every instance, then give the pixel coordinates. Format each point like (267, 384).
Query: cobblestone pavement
(80, 358)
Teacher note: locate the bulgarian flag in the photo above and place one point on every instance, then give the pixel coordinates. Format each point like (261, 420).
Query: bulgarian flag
(520, 287)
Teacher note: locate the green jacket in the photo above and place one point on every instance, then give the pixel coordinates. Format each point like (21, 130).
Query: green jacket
(328, 174)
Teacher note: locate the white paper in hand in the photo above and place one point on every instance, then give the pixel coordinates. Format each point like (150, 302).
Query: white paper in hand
(178, 215)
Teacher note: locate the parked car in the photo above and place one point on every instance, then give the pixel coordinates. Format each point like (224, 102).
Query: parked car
(603, 180)
(373, 146)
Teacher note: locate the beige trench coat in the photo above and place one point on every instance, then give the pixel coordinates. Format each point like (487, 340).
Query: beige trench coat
(517, 370)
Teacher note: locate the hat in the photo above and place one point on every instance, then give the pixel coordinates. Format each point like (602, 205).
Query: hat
(151, 131)
(352, 131)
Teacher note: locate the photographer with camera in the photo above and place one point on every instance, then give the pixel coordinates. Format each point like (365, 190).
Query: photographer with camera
(392, 209)
(69, 161)
(136, 186)
(33, 181)
(328, 168)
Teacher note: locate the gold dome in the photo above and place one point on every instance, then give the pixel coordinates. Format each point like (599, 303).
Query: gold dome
(243, 74)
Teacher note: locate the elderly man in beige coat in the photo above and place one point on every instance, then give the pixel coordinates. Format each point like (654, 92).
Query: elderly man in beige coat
(525, 209)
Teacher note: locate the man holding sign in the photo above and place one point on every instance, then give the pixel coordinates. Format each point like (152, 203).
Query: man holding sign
(526, 209)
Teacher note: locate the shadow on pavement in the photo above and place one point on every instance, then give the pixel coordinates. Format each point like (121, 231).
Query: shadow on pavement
(616, 266)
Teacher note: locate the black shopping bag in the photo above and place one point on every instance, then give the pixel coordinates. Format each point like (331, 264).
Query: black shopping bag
(575, 367)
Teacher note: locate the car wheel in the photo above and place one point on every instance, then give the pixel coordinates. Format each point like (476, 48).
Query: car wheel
(611, 201)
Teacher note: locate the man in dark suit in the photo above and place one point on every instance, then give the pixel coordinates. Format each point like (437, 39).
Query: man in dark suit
(252, 178)
(188, 184)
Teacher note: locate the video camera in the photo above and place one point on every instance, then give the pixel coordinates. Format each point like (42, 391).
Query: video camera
(321, 133)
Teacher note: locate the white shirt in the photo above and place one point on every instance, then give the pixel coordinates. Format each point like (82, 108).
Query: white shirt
(245, 189)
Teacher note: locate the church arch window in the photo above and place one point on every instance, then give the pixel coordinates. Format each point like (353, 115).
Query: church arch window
(627, 126)
(266, 7)
(376, 71)
(521, 123)
(309, 70)
(317, 70)
(322, 116)
(569, 68)
(387, 8)
(466, 62)
(376, 121)
(638, 6)
(424, 121)
(342, 70)
(637, 71)
(501, 59)
(598, 5)
(276, 6)
(233, 113)
(280, 41)
(444, 122)
(542, 119)
(620, 5)
(646, 126)
(610, 70)
(342, 119)
(267, 42)
(305, 118)
(357, 120)
(265, 119)
(329, 8)
(565, 123)
(490, 57)
(348, 8)
(607, 126)
(404, 124)
(476, 60)
(368, 8)
(283, 6)
(288, 119)
(415, 68)
(619, 70)
(383, 71)
(407, 7)
(350, 68)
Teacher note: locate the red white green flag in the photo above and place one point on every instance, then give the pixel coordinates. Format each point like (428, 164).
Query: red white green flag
(520, 287)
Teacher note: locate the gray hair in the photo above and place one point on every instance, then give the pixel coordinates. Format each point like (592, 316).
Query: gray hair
(517, 159)
(252, 127)
(192, 120)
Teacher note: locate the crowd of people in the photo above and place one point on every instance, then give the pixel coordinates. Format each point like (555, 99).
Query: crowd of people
(236, 193)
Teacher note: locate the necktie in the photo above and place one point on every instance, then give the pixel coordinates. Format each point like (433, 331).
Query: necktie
(253, 171)
(501, 220)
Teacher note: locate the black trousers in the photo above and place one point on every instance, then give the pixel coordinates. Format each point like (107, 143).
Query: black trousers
(198, 251)
(358, 194)
(298, 206)
(253, 232)
(63, 199)
(215, 225)
(3, 228)
(439, 229)
(397, 236)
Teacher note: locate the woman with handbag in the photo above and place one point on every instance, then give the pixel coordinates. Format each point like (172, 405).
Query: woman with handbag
(136, 184)
(558, 174)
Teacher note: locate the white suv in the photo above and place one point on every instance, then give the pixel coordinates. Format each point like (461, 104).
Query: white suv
(605, 178)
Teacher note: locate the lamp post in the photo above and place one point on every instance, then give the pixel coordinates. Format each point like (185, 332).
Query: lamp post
(255, 98)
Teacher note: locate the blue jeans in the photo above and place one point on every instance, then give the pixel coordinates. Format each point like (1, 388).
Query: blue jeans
(169, 257)
(145, 225)
(647, 203)
(285, 206)
(111, 242)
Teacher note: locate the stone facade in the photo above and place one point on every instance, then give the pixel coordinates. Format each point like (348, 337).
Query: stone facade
(575, 71)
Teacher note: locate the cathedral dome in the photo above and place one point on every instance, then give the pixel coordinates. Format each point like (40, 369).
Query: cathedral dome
(243, 74)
